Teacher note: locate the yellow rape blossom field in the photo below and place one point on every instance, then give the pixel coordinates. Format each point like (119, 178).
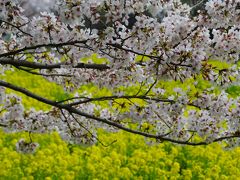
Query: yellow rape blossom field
(128, 158)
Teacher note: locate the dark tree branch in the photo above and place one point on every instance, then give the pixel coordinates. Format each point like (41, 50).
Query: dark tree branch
(106, 98)
(81, 125)
(42, 74)
(35, 65)
(3, 125)
(50, 45)
(187, 36)
(73, 110)
(15, 26)
(118, 46)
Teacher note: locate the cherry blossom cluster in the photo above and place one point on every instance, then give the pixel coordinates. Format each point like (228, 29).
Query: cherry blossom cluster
(26, 147)
(143, 44)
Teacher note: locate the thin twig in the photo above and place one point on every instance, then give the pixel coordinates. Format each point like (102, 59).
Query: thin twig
(80, 124)
(17, 27)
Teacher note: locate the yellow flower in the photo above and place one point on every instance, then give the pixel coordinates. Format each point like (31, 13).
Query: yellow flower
(69, 175)
(125, 173)
(30, 178)
(28, 170)
(187, 174)
(175, 168)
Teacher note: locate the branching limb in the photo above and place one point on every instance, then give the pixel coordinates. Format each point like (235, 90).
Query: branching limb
(49, 45)
(35, 65)
(106, 98)
(17, 27)
(73, 110)
(134, 52)
(30, 71)
(3, 125)
(80, 124)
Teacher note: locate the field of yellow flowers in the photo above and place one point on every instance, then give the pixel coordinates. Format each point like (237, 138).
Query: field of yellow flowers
(128, 158)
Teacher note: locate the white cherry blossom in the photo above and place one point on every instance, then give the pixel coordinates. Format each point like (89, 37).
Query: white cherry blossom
(142, 45)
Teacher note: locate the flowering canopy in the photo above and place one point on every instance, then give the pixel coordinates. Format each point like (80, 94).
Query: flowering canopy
(144, 43)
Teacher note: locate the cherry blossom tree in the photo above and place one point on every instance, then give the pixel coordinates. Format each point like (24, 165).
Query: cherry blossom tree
(144, 43)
